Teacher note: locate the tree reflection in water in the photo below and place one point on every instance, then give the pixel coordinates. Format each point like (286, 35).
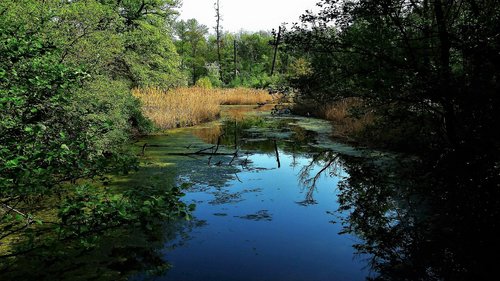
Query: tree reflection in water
(117, 255)
(329, 162)
(434, 219)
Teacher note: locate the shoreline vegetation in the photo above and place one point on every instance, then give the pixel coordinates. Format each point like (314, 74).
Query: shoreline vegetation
(349, 117)
(191, 106)
(183, 107)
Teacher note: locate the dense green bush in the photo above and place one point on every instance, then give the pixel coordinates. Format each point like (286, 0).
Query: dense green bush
(67, 114)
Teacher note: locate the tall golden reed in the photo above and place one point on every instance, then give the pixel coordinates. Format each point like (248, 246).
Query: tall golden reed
(183, 107)
(346, 126)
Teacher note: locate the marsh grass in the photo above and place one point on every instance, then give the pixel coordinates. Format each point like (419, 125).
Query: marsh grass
(184, 107)
(242, 96)
(346, 125)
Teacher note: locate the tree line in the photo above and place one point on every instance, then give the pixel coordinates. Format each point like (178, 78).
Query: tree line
(67, 117)
(428, 69)
(225, 58)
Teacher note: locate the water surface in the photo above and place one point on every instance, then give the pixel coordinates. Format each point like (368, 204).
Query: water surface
(262, 214)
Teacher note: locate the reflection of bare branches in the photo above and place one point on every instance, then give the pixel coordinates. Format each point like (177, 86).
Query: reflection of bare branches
(277, 153)
(331, 163)
(214, 152)
(238, 178)
(234, 157)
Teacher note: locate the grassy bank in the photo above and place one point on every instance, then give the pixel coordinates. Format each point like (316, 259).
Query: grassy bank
(190, 106)
(347, 125)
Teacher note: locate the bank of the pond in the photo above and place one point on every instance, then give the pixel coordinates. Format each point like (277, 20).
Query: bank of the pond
(350, 123)
(105, 228)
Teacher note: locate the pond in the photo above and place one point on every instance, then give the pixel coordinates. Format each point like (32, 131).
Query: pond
(277, 199)
(266, 202)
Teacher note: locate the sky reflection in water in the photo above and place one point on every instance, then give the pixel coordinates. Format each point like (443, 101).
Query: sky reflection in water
(256, 228)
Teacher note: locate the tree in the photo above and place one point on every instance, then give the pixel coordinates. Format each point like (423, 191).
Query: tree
(428, 71)
(67, 115)
(191, 45)
(416, 62)
(150, 58)
(218, 32)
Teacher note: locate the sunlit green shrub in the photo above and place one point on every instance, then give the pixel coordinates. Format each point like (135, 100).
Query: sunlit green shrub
(204, 83)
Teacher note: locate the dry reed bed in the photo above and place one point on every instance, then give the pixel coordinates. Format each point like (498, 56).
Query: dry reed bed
(242, 96)
(183, 107)
(339, 113)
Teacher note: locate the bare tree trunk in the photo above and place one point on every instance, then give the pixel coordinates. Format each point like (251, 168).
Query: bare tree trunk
(445, 71)
(276, 44)
(235, 60)
(193, 63)
(218, 35)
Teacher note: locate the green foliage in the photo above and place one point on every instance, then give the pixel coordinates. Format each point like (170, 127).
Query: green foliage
(86, 34)
(254, 54)
(40, 139)
(213, 73)
(257, 80)
(89, 210)
(67, 114)
(254, 57)
(299, 68)
(413, 65)
(192, 47)
(204, 82)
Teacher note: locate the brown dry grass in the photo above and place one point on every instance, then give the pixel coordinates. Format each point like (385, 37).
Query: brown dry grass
(183, 107)
(242, 96)
(339, 113)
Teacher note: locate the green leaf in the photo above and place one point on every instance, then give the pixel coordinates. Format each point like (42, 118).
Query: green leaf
(12, 163)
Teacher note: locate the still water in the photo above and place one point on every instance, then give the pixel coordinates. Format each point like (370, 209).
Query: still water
(277, 199)
(268, 213)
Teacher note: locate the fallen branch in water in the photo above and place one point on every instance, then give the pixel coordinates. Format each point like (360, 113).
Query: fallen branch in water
(7, 209)
(197, 153)
(204, 149)
(200, 152)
